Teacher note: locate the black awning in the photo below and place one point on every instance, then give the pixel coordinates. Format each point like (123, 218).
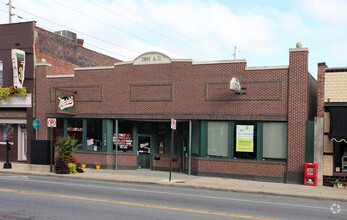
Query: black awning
(338, 123)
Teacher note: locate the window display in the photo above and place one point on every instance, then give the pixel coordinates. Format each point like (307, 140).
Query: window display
(125, 137)
(6, 133)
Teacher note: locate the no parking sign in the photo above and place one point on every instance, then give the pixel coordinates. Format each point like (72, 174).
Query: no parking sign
(51, 122)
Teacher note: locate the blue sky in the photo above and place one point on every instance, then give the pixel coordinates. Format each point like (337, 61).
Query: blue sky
(202, 30)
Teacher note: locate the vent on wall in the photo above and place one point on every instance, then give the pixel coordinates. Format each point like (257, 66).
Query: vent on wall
(68, 34)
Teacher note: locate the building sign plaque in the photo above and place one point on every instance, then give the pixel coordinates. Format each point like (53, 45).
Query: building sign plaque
(66, 103)
(152, 58)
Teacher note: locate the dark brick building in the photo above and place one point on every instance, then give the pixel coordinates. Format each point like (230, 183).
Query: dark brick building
(123, 111)
(63, 50)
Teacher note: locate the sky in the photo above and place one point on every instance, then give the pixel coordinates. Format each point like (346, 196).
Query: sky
(262, 31)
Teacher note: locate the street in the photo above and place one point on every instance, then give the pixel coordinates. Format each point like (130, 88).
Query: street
(41, 197)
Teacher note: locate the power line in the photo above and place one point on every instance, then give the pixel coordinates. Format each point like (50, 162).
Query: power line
(80, 32)
(156, 32)
(118, 29)
(165, 27)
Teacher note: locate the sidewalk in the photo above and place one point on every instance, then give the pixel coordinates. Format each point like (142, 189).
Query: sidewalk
(184, 180)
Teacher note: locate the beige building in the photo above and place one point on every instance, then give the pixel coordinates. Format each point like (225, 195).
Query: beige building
(331, 124)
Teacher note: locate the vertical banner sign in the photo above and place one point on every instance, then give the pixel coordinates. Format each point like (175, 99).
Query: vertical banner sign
(18, 65)
(244, 138)
(66, 103)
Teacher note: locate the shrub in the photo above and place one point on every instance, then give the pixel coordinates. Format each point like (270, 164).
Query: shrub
(61, 167)
(72, 167)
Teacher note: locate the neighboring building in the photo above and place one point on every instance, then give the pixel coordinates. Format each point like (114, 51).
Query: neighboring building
(121, 114)
(331, 124)
(64, 52)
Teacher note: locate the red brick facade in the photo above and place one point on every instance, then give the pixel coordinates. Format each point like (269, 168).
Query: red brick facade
(195, 91)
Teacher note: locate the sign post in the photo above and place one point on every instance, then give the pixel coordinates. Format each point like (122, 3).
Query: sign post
(51, 123)
(173, 128)
(36, 125)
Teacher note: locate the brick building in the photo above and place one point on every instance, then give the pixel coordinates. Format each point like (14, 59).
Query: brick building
(331, 130)
(122, 114)
(63, 49)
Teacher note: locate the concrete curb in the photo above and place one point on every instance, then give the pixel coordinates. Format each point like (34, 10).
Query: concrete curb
(186, 184)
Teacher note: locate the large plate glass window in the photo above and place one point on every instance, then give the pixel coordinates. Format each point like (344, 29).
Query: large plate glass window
(125, 136)
(218, 139)
(94, 135)
(275, 140)
(74, 129)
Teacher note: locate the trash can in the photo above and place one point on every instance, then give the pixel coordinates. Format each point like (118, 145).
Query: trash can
(40, 152)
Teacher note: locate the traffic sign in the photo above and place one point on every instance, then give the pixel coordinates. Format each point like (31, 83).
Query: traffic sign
(36, 124)
(173, 124)
(51, 122)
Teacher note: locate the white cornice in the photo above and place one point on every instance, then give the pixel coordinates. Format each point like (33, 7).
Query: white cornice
(60, 76)
(219, 62)
(267, 67)
(94, 68)
(298, 49)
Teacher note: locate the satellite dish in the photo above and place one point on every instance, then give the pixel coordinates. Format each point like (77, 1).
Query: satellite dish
(235, 85)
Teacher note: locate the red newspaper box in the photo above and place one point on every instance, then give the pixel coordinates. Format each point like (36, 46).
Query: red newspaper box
(311, 174)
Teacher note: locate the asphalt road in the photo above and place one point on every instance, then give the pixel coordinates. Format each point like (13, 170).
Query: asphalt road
(40, 197)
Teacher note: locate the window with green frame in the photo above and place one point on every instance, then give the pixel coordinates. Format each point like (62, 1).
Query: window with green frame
(275, 140)
(218, 139)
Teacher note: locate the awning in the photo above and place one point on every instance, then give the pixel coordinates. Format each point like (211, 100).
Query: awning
(338, 123)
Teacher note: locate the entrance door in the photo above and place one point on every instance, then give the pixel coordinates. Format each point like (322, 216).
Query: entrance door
(22, 144)
(144, 153)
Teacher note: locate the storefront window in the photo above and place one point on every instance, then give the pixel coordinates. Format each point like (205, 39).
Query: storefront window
(162, 130)
(59, 130)
(94, 135)
(195, 138)
(218, 139)
(6, 133)
(125, 136)
(340, 157)
(245, 146)
(74, 129)
(275, 139)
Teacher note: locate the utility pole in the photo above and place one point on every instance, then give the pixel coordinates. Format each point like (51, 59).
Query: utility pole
(9, 11)
(235, 53)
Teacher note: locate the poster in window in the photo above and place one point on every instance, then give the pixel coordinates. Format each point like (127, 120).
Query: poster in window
(244, 138)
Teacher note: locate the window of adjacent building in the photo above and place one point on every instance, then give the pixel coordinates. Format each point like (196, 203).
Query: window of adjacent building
(6, 133)
(94, 135)
(275, 140)
(75, 129)
(218, 139)
(1, 73)
(125, 136)
(245, 146)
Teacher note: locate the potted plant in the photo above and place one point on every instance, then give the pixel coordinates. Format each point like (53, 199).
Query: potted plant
(83, 164)
(65, 161)
(97, 165)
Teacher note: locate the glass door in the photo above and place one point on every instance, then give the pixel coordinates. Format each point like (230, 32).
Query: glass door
(144, 152)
